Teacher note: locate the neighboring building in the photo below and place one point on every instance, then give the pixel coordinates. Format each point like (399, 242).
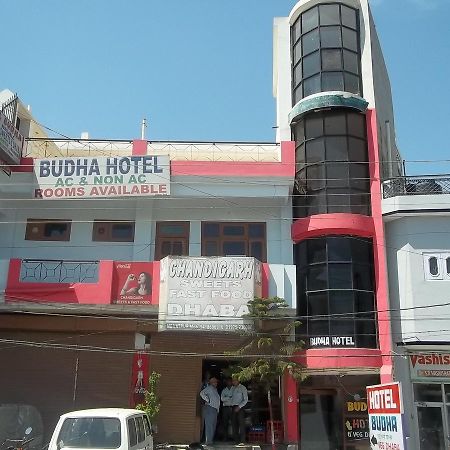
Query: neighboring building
(417, 223)
(333, 99)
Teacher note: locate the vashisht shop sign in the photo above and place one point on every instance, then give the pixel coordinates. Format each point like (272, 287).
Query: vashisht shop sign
(133, 176)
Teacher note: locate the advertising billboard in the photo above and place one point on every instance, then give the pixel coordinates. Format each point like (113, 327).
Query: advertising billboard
(103, 177)
(426, 366)
(207, 293)
(132, 283)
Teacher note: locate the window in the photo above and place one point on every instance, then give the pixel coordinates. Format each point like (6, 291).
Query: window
(140, 429)
(233, 239)
(90, 432)
(113, 231)
(433, 266)
(132, 434)
(335, 279)
(436, 266)
(172, 238)
(48, 230)
(325, 51)
(332, 171)
(148, 430)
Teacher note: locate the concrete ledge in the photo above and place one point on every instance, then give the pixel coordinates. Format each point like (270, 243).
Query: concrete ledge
(335, 99)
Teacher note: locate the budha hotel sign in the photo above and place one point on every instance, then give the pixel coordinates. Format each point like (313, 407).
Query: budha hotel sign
(125, 176)
(207, 294)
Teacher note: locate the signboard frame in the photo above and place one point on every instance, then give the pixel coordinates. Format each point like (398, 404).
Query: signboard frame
(102, 177)
(207, 294)
(429, 366)
(385, 408)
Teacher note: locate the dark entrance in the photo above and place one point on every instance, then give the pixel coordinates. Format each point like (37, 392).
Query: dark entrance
(256, 410)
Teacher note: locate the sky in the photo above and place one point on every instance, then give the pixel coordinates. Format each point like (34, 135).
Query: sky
(201, 70)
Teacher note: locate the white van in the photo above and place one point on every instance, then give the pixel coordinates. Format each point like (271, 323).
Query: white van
(105, 428)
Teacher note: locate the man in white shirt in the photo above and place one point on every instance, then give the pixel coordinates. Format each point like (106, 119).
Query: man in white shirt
(227, 408)
(210, 409)
(238, 401)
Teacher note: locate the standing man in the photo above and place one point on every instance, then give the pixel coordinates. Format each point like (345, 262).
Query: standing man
(210, 409)
(227, 408)
(239, 400)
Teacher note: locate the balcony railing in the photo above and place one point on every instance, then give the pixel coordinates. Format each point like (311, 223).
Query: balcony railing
(416, 185)
(57, 271)
(178, 151)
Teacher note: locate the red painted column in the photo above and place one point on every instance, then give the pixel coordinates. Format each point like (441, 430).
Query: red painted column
(379, 253)
(290, 409)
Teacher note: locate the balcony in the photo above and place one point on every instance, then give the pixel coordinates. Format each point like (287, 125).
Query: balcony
(416, 185)
(127, 283)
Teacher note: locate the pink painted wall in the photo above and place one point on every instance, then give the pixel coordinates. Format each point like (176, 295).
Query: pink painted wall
(380, 262)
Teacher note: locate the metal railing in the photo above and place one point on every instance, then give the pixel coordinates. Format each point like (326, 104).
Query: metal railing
(9, 108)
(416, 185)
(58, 271)
(178, 151)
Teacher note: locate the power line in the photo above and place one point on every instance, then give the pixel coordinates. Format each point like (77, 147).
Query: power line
(347, 315)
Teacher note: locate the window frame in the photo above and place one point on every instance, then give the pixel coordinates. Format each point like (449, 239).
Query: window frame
(297, 34)
(312, 288)
(109, 225)
(133, 421)
(160, 238)
(320, 137)
(245, 238)
(441, 266)
(41, 223)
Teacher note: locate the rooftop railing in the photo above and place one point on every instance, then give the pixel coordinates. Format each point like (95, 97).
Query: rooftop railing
(416, 185)
(179, 151)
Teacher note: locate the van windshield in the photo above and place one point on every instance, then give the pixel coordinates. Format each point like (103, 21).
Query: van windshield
(90, 432)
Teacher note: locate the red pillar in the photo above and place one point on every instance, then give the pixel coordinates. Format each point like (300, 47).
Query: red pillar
(379, 253)
(290, 409)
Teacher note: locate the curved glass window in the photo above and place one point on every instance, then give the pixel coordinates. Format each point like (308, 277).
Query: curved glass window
(325, 51)
(336, 302)
(332, 170)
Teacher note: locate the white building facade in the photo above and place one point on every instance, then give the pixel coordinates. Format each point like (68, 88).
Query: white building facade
(417, 223)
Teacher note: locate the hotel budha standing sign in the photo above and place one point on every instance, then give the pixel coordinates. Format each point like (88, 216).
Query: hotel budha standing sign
(126, 176)
(207, 293)
(385, 407)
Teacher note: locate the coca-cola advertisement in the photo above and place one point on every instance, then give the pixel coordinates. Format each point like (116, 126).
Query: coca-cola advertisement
(133, 283)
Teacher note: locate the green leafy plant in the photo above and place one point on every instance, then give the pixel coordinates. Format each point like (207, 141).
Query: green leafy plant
(267, 353)
(151, 404)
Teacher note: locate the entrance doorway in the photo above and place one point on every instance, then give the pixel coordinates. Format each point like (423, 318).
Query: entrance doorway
(432, 402)
(257, 409)
(319, 422)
